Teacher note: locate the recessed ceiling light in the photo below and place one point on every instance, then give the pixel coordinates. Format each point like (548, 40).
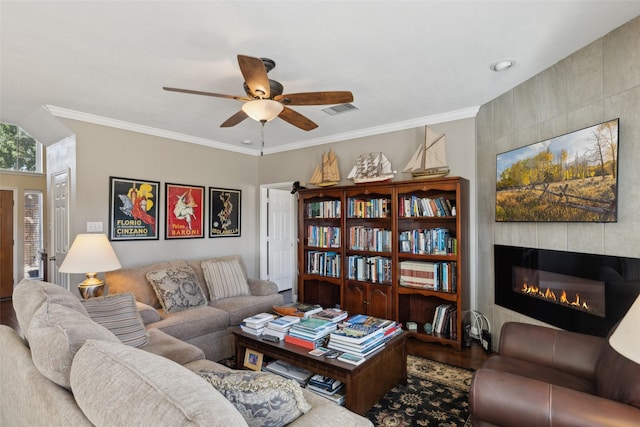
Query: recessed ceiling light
(246, 141)
(503, 65)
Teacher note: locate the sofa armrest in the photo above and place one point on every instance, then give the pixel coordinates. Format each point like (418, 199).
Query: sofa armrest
(505, 399)
(570, 352)
(147, 313)
(260, 287)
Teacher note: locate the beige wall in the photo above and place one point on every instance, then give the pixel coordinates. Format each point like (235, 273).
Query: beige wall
(595, 84)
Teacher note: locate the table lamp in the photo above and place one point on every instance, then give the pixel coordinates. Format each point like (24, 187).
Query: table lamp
(624, 339)
(90, 254)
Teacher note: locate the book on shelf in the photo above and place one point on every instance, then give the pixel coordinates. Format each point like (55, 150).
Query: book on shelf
(332, 314)
(364, 351)
(290, 371)
(304, 343)
(259, 320)
(283, 323)
(351, 358)
(337, 396)
(297, 309)
(324, 382)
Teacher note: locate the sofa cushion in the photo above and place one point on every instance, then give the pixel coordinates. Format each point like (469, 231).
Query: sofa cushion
(56, 332)
(617, 377)
(135, 280)
(263, 399)
(172, 348)
(242, 307)
(115, 384)
(119, 314)
(177, 288)
(225, 277)
(195, 322)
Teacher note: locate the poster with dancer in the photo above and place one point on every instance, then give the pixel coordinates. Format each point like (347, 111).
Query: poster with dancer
(133, 209)
(184, 211)
(224, 212)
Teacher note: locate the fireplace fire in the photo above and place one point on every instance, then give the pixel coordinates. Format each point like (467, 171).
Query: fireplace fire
(570, 290)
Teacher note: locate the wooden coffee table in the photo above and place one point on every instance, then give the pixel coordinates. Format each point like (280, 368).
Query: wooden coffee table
(365, 384)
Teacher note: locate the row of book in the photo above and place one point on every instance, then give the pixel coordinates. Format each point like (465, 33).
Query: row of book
(323, 236)
(445, 321)
(376, 269)
(437, 276)
(428, 241)
(369, 239)
(368, 208)
(323, 263)
(414, 206)
(323, 209)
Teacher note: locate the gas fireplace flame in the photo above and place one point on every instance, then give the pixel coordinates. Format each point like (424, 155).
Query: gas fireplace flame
(548, 294)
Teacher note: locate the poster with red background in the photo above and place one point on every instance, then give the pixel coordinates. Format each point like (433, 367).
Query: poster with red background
(184, 211)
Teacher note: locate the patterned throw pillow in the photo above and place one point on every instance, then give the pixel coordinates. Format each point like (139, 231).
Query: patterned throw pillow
(263, 399)
(177, 288)
(118, 313)
(225, 278)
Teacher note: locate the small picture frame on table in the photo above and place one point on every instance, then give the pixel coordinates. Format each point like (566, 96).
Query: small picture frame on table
(253, 360)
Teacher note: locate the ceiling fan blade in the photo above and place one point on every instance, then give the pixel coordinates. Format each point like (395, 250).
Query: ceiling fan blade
(255, 75)
(198, 92)
(297, 119)
(315, 98)
(234, 120)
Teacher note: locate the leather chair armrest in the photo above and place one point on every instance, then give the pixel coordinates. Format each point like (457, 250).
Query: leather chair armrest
(260, 287)
(567, 351)
(505, 399)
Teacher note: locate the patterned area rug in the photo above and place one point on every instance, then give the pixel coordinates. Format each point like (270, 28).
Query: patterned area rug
(435, 395)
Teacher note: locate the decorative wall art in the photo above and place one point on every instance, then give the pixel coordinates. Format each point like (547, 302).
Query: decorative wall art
(569, 178)
(224, 212)
(133, 209)
(184, 216)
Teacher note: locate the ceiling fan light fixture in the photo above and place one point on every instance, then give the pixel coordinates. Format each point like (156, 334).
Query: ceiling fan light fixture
(262, 110)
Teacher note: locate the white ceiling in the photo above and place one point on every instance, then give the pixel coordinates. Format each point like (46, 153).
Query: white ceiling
(408, 63)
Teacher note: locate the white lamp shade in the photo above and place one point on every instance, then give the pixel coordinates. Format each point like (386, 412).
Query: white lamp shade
(625, 339)
(90, 253)
(262, 110)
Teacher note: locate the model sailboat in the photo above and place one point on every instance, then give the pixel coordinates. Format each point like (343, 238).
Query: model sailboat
(326, 173)
(429, 161)
(371, 167)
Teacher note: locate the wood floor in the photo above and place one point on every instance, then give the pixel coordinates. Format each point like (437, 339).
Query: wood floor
(470, 358)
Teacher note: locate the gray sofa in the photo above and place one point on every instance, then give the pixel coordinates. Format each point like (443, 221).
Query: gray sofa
(208, 327)
(69, 369)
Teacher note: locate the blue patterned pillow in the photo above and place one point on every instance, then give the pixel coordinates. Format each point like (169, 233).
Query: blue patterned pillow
(177, 288)
(262, 398)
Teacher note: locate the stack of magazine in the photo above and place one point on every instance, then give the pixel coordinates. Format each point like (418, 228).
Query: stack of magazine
(280, 327)
(327, 387)
(255, 325)
(288, 370)
(361, 335)
(310, 333)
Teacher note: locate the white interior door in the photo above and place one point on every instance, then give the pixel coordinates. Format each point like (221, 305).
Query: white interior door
(60, 227)
(278, 237)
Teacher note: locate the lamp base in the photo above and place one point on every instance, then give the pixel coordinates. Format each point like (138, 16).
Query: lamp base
(92, 287)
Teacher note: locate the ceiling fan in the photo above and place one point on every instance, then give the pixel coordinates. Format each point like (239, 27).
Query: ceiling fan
(265, 101)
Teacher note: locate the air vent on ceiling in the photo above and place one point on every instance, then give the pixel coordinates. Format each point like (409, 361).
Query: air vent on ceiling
(339, 109)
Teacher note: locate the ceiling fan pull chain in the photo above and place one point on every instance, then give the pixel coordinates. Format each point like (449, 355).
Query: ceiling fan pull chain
(262, 122)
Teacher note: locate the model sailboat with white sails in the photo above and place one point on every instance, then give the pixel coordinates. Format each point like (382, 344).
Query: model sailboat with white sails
(429, 161)
(326, 173)
(371, 167)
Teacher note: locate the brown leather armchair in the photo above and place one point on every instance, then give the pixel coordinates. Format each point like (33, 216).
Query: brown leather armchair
(548, 377)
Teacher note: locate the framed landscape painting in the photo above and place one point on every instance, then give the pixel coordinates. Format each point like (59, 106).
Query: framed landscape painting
(224, 212)
(569, 178)
(184, 218)
(133, 209)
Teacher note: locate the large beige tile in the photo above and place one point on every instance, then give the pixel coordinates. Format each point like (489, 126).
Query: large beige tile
(503, 115)
(621, 49)
(584, 76)
(552, 92)
(525, 104)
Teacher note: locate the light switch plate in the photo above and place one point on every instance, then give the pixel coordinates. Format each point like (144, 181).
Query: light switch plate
(94, 227)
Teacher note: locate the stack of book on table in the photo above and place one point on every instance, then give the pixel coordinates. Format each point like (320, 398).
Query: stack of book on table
(361, 335)
(327, 387)
(288, 370)
(310, 333)
(280, 327)
(333, 314)
(255, 325)
(297, 309)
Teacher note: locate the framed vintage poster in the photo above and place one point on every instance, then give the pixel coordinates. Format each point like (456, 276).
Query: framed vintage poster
(224, 212)
(133, 209)
(184, 211)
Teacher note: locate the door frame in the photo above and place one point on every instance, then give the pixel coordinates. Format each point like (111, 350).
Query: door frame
(264, 226)
(14, 227)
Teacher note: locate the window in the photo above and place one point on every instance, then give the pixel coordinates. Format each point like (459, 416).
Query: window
(32, 243)
(19, 151)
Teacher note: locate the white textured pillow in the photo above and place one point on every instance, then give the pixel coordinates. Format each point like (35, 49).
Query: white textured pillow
(225, 278)
(177, 288)
(144, 389)
(118, 313)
